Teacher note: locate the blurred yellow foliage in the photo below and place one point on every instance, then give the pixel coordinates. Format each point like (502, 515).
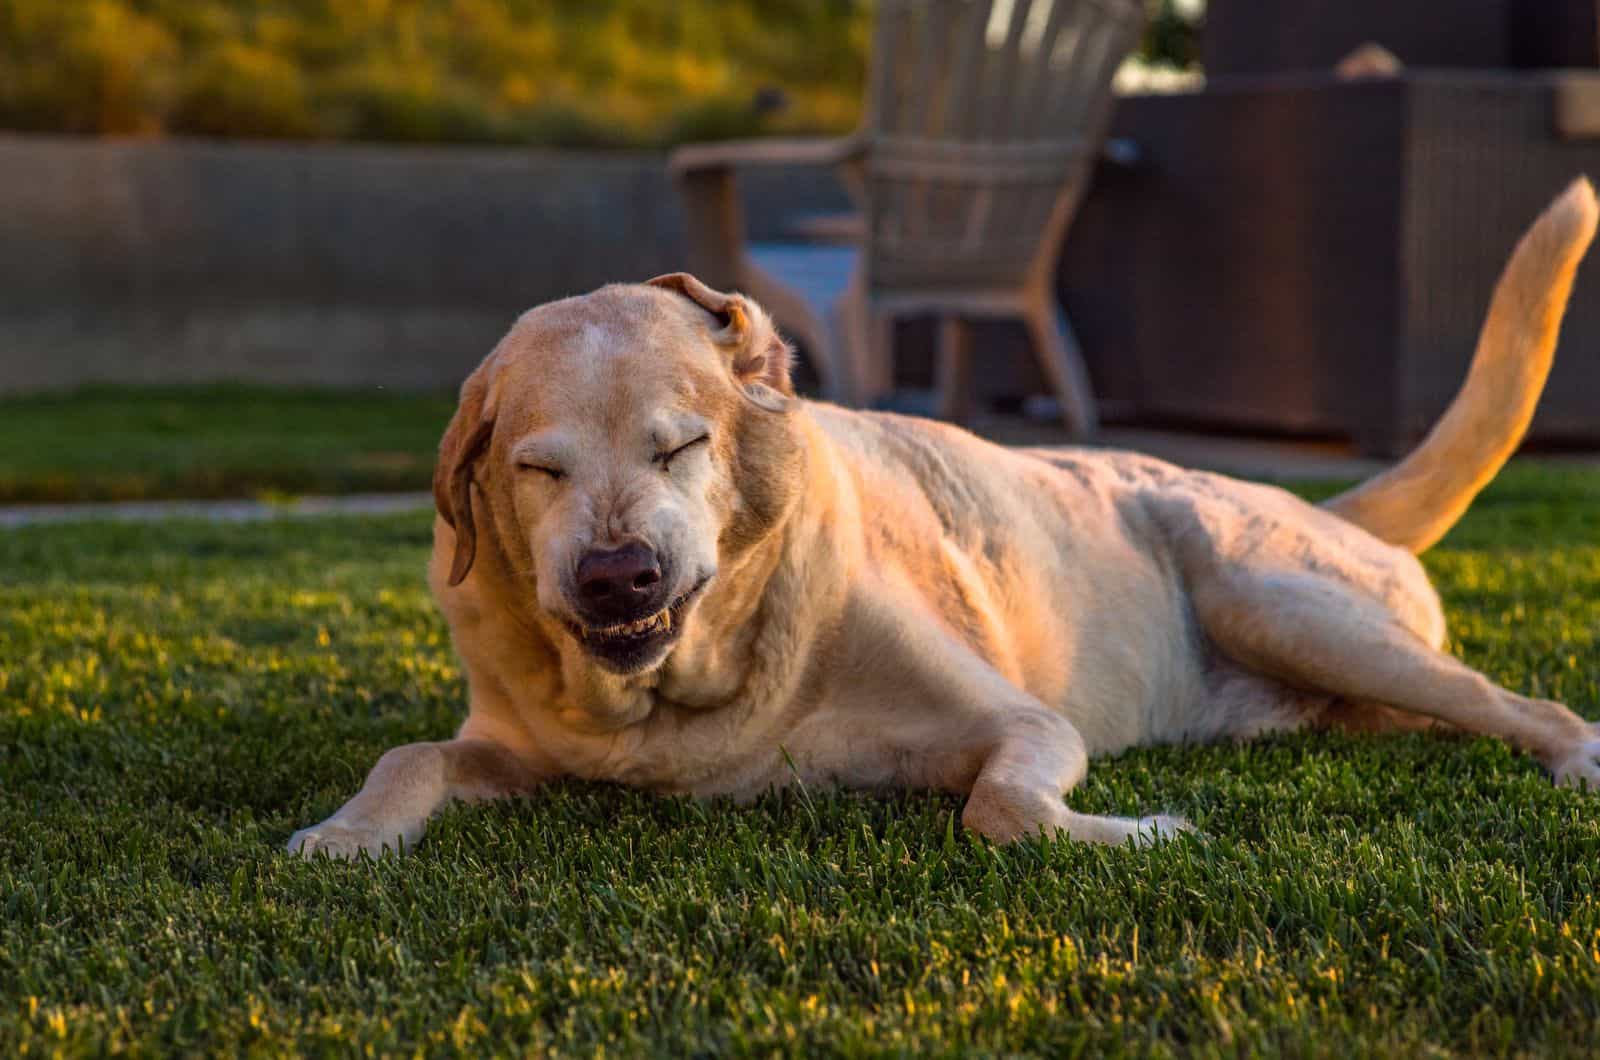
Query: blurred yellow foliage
(560, 72)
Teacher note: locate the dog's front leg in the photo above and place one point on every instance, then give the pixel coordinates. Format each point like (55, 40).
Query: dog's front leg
(1035, 759)
(407, 786)
(973, 731)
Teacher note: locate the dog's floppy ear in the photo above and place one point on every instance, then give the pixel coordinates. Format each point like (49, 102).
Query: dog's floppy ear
(464, 441)
(760, 358)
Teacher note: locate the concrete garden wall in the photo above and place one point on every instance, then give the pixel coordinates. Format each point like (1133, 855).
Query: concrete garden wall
(182, 261)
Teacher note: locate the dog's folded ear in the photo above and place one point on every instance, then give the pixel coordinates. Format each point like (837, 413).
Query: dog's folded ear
(759, 356)
(464, 441)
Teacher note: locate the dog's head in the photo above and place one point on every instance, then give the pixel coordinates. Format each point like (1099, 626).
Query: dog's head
(626, 444)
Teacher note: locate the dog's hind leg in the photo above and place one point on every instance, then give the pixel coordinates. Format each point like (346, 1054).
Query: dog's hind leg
(1363, 716)
(1315, 633)
(1035, 759)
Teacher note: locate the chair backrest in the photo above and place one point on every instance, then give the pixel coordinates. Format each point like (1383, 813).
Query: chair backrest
(983, 120)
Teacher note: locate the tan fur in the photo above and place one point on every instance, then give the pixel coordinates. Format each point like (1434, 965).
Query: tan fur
(1413, 504)
(896, 602)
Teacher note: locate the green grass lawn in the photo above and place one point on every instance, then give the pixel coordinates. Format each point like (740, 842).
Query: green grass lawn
(124, 443)
(175, 699)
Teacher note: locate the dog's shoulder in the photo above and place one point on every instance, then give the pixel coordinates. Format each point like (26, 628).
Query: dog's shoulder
(937, 455)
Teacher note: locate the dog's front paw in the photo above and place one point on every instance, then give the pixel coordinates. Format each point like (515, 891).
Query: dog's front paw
(1581, 766)
(346, 842)
(1006, 813)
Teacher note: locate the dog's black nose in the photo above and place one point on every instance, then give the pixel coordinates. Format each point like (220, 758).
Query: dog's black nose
(621, 583)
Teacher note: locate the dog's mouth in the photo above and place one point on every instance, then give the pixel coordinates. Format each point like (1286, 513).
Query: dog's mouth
(627, 647)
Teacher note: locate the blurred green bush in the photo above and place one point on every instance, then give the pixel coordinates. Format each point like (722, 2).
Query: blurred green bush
(570, 73)
(560, 72)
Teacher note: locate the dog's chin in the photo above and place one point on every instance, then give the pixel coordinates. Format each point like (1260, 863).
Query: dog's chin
(627, 654)
(635, 647)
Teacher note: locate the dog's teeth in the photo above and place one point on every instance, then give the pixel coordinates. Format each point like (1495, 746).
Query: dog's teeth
(661, 621)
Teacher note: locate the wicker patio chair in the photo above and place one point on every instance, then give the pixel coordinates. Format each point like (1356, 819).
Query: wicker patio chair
(983, 121)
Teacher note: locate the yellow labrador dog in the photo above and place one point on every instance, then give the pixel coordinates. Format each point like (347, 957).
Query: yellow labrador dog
(661, 568)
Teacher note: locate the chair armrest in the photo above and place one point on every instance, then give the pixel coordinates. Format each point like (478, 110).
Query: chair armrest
(730, 154)
(841, 229)
(704, 175)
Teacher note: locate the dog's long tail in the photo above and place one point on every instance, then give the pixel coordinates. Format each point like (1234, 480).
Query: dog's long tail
(1414, 503)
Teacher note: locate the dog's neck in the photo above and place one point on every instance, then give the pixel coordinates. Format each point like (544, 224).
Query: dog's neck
(746, 648)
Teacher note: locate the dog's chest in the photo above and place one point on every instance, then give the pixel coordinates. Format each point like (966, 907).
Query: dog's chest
(728, 752)
(672, 750)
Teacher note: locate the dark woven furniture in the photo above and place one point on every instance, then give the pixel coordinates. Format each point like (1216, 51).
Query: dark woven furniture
(1275, 36)
(1312, 255)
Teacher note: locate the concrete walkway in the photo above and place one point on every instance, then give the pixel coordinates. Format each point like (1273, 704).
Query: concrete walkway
(235, 511)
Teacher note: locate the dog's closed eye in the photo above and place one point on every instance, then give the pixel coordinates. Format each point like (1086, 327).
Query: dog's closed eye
(665, 458)
(555, 473)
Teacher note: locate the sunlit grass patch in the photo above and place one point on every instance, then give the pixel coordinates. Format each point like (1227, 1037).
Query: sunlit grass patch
(136, 443)
(175, 699)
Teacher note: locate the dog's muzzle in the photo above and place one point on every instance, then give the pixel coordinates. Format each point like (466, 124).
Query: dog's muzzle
(625, 619)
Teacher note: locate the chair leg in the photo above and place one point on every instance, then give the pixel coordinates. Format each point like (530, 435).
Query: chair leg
(795, 315)
(882, 363)
(954, 372)
(868, 356)
(1062, 361)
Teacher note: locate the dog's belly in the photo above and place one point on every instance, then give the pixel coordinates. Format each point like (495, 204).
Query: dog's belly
(1143, 678)
(1101, 630)
(1153, 678)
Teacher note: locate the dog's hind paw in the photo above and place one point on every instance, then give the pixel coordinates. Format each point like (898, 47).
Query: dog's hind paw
(1161, 827)
(1581, 768)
